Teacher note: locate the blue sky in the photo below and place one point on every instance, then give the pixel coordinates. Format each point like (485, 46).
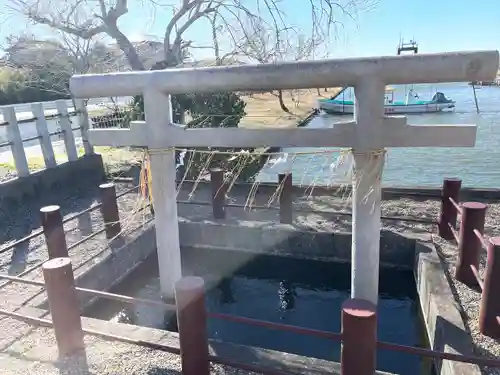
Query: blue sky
(437, 25)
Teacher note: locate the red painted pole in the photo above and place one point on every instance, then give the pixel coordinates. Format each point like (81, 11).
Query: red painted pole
(192, 325)
(218, 193)
(469, 245)
(451, 189)
(489, 312)
(359, 337)
(63, 304)
(286, 201)
(109, 210)
(53, 229)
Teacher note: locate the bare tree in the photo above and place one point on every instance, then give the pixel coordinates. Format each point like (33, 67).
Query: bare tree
(57, 58)
(87, 19)
(258, 43)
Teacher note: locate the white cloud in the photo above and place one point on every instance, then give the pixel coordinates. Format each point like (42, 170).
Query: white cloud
(140, 35)
(136, 36)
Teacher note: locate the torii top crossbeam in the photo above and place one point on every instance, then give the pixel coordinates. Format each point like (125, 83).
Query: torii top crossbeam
(424, 68)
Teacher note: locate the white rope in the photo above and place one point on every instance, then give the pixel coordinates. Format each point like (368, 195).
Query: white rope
(238, 160)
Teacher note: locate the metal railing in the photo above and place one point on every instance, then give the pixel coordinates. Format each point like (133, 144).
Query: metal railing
(284, 191)
(358, 335)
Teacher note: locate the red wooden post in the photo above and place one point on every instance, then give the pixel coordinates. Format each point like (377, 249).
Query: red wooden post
(63, 304)
(286, 201)
(219, 189)
(490, 298)
(192, 325)
(469, 245)
(359, 337)
(109, 210)
(53, 230)
(451, 189)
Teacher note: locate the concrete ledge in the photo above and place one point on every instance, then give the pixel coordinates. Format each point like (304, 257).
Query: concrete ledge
(445, 327)
(274, 360)
(388, 193)
(284, 240)
(88, 169)
(122, 259)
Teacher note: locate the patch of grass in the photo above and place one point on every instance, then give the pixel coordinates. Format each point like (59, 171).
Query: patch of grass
(99, 111)
(118, 159)
(263, 110)
(113, 158)
(37, 162)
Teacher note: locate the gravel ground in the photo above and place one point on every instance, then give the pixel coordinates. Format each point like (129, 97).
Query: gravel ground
(29, 255)
(36, 354)
(7, 174)
(108, 358)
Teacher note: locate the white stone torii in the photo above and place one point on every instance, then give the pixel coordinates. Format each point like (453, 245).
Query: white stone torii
(369, 133)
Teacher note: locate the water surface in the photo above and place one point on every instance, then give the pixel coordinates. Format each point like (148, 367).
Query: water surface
(423, 166)
(290, 291)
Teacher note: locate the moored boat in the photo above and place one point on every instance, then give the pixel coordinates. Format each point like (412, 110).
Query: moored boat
(438, 103)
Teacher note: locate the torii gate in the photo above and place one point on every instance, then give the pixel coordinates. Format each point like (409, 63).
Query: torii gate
(368, 135)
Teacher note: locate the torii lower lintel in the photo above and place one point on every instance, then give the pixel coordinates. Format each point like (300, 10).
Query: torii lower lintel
(394, 133)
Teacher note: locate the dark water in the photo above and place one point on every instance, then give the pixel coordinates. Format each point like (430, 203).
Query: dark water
(296, 292)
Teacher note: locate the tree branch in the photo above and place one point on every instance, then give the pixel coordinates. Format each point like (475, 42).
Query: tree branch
(82, 33)
(186, 7)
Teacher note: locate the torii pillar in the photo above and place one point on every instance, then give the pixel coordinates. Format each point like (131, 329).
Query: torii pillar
(369, 156)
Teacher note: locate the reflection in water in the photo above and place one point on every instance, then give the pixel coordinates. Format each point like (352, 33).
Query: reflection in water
(226, 293)
(126, 316)
(287, 295)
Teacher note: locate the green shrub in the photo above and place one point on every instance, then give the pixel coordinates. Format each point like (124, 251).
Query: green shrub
(209, 111)
(22, 86)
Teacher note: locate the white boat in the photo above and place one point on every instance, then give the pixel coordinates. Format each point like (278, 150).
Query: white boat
(439, 103)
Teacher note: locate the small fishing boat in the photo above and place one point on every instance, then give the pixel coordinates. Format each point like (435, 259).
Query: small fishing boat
(439, 103)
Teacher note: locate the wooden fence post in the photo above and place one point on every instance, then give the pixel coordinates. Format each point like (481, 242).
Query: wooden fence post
(43, 134)
(16, 142)
(109, 210)
(469, 245)
(192, 324)
(64, 305)
(489, 312)
(53, 230)
(359, 337)
(286, 201)
(448, 215)
(69, 138)
(219, 189)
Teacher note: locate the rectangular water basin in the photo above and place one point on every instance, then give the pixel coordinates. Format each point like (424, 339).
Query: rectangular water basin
(306, 293)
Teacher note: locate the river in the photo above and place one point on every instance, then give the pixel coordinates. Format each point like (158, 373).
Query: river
(477, 166)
